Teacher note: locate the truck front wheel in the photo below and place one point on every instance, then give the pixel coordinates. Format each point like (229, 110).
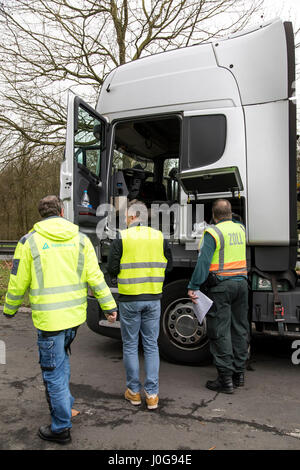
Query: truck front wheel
(181, 338)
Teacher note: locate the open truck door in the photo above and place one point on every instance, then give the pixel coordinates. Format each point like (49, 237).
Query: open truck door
(84, 165)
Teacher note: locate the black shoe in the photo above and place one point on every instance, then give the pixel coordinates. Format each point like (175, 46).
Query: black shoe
(221, 384)
(238, 379)
(47, 434)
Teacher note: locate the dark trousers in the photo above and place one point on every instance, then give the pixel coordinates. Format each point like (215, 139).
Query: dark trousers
(228, 325)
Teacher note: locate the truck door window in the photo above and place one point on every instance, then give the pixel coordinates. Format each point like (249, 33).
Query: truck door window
(88, 141)
(204, 140)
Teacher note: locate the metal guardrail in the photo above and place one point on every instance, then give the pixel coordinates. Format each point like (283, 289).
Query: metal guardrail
(7, 247)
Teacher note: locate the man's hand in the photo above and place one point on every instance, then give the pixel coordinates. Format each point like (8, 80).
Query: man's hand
(193, 296)
(111, 317)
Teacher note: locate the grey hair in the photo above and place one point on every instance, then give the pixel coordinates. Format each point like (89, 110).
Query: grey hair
(138, 209)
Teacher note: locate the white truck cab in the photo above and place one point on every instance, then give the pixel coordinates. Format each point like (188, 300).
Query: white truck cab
(178, 130)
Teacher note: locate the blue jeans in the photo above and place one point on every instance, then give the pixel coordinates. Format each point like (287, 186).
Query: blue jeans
(140, 317)
(55, 365)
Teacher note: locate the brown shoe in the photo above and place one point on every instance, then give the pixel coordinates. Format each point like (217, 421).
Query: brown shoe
(151, 401)
(134, 398)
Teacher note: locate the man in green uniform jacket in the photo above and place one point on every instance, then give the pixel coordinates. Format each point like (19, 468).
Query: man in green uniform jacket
(222, 261)
(56, 262)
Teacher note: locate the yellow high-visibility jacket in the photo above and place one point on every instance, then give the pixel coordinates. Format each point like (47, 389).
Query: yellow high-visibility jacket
(143, 263)
(57, 263)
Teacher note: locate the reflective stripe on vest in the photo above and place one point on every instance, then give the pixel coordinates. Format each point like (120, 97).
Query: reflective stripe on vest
(229, 258)
(140, 280)
(80, 264)
(143, 263)
(37, 262)
(59, 305)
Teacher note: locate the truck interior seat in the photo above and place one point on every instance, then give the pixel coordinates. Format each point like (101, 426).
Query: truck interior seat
(151, 190)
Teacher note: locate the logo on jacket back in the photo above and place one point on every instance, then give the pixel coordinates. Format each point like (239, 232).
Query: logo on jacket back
(45, 247)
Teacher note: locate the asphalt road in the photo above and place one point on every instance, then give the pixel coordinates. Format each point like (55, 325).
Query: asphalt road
(265, 414)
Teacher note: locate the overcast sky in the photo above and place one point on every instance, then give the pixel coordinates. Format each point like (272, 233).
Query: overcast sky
(287, 10)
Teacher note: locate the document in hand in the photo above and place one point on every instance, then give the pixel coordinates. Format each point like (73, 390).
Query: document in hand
(202, 306)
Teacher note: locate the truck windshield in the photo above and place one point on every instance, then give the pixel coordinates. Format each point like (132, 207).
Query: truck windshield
(121, 161)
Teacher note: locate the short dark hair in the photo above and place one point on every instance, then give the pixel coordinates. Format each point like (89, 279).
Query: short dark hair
(50, 206)
(221, 209)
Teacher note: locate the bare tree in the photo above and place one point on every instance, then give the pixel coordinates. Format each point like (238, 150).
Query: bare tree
(23, 182)
(49, 46)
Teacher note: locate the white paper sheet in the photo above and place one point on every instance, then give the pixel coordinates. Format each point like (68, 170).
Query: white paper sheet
(202, 306)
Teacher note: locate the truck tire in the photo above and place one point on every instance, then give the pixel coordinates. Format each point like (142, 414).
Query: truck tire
(182, 339)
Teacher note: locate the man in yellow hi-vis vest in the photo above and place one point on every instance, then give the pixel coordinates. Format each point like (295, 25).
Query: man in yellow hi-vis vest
(56, 262)
(139, 257)
(222, 263)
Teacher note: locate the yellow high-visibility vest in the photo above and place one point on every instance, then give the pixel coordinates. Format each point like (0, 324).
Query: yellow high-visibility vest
(229, 258)
(143, 263)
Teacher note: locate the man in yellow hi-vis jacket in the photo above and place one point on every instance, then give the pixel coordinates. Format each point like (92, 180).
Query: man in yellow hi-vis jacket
(139, 257)
(57, 263)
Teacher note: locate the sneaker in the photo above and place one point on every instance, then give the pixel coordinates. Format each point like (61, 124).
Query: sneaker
(134, 398)
(151, 401)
